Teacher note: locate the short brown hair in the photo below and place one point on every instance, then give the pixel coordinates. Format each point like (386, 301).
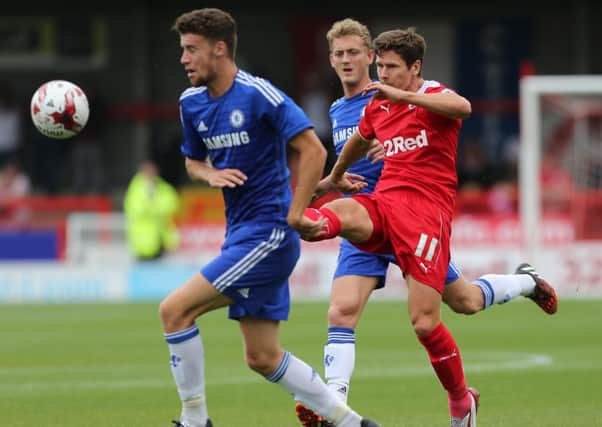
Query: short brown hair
(211, 23)
(349, 27)
(410, 45)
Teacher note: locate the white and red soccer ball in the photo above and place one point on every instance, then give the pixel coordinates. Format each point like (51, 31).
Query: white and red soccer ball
(59, 109)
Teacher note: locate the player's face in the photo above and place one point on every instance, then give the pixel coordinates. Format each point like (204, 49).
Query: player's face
(393, 70)
(198, 58)
(350, 59)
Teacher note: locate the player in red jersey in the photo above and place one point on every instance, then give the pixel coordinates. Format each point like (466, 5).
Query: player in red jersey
(410, 212)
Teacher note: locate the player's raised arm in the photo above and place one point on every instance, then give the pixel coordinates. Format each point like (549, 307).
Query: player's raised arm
(446, 103)
(312, 157)
(199, 170)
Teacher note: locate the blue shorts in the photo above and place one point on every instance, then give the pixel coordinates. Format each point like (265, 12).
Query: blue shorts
(453, 273)
(355, 262)
(253, 269)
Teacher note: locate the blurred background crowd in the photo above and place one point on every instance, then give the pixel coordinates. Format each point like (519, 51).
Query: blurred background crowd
(126, 59)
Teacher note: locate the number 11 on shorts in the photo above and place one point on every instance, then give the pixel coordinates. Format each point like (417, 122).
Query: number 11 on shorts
(424, 242)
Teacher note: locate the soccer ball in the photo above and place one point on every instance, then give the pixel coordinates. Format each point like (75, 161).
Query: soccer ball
(59, 109)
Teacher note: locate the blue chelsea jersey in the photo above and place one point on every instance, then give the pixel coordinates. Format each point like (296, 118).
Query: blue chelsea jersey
(247, 128)
(345, 114)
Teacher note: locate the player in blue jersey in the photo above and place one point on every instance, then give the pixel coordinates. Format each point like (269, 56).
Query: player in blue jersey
(236, 130)
(358, 273)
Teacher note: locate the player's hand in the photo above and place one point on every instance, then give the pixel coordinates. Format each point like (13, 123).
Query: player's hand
(220, 178)
(384, 91)
(376, 152)
(349, 183)
(306, 227)
(323, 187)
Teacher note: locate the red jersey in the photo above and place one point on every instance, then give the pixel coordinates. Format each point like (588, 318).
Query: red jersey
(420, 147)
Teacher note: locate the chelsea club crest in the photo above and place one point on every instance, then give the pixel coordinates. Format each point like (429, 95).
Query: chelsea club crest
(237, 118)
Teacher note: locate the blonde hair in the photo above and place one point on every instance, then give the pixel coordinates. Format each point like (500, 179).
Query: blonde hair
(349, 27)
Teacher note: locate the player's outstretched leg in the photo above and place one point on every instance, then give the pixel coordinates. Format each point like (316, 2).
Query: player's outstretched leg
(309, 418)
(179, 424)
(302, 382)
(543, 294)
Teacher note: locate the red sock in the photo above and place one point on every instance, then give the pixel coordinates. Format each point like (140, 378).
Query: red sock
(331, 229)
(447, 363)
(459, 408)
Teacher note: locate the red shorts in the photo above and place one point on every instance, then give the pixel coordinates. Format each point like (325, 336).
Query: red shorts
(416, 230)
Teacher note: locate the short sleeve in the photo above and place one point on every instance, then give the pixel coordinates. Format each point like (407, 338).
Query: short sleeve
(365, 128)
(192, 145)
(281, 111)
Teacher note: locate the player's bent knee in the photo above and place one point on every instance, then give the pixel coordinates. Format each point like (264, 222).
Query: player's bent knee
(470, 307)
(424, 325)
(173, 320)
(261, 362)
(344, 315)
(465, 306)
(164, 312)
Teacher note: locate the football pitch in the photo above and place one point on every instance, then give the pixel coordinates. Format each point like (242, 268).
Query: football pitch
(107, 365)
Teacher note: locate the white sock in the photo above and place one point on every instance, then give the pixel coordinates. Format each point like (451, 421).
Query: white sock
(501, 288)
(306, 386)
(187, 361)
(352, 419)
(339, 360)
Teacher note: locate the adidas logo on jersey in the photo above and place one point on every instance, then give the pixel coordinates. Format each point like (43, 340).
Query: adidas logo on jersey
(202, 127)
(244, 292)
(400, 144)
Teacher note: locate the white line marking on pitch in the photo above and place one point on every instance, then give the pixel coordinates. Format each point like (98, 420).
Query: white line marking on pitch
(488, 362)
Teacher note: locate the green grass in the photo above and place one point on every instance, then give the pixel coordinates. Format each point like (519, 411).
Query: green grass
(107, 365)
